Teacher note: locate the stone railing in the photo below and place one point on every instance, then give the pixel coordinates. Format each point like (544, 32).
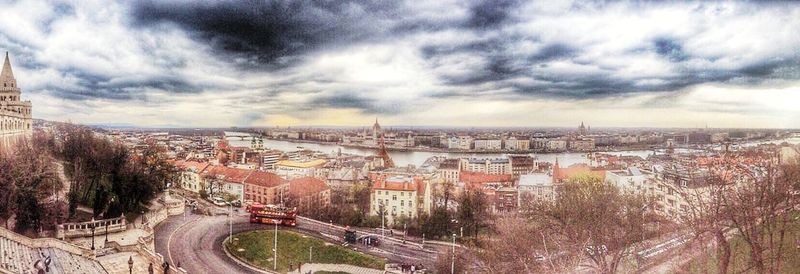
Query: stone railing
(46, 242)
(140, 247)
(83, 229)
(152, 218)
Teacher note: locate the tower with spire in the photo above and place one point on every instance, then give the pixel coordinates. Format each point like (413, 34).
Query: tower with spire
(15, 114)
(582, 129)
(376, 130)
(383, 154)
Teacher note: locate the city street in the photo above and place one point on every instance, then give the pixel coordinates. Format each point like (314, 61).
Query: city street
(195, 241)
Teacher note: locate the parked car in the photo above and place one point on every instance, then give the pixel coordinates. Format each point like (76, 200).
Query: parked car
(218, 201)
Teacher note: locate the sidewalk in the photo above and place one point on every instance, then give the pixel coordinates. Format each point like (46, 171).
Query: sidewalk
(313, 268)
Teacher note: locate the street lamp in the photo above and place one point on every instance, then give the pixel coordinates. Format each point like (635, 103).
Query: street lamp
(230, 225)
(383, 213)
(130, 265)
(91, 226)
(106, 232)
(275, 249)
(453, 263)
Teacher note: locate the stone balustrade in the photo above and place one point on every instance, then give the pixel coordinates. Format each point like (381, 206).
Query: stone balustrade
(84, 229)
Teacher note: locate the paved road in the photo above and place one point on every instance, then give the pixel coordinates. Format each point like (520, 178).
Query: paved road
(195, 241)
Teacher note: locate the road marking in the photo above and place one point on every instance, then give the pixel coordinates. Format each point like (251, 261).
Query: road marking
(169, 239)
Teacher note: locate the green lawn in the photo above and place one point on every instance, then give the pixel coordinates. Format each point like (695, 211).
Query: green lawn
(740, 255)
(255, 247)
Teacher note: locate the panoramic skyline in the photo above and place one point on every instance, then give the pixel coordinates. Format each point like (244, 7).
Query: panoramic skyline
(507, 63)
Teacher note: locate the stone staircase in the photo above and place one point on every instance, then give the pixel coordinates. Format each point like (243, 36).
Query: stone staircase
(17, 257)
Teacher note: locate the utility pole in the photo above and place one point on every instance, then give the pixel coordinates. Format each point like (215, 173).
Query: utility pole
(309, 253)
(453, 263)
(383, 212)
(275, 250)
(230, 224)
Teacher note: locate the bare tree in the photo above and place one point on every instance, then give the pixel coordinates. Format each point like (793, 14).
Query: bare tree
(591, 220)
(705, 216)
(759, 206)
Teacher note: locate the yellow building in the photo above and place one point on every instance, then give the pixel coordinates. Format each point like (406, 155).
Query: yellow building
(291, 169)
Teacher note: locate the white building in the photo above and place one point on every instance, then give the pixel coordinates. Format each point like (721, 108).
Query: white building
(190, 178)
(460, 142)
(631, 180)
(399, 195)
(556, 145)
(488, 166)
(269, 159)
(488, 144)
(514, 144)
(536, 186)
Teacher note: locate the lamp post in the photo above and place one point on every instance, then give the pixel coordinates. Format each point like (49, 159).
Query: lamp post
(309, 253)
(383, 212)
(230, 225)
(91, 226)
(275, 249)
(453, 263)
(130, 265)
(106, 232)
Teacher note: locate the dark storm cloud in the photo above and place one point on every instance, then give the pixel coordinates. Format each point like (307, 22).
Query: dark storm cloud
(489, 15)
(354, 101)
(670, 49)
(96, 86)
(270, 34)
(345, 100)
(309, 55)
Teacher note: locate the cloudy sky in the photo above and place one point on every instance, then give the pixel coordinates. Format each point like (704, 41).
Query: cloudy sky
(455, 63)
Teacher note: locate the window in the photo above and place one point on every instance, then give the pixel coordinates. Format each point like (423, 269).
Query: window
(402, 203)
(394, 197)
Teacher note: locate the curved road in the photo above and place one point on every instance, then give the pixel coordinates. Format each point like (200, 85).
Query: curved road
(195, 242)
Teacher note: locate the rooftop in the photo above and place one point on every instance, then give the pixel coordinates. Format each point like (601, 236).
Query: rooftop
(301, 164)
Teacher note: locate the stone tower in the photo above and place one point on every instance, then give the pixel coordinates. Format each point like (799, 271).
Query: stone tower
(15, 114)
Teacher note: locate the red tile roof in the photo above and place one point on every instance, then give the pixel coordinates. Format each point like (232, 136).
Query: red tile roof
(230, 174)
(191, 165)
(480, 178)
(305, 186)
(381, 183)
(264, 179)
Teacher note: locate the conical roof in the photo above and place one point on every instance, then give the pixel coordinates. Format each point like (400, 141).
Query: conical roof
(7, 76)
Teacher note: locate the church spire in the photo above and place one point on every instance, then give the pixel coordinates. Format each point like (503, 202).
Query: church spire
(7, 76)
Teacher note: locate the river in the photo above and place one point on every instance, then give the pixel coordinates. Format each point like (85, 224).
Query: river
(417, 158)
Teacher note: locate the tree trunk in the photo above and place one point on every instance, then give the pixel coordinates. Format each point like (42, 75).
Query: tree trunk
(723, 252)
(756, 253)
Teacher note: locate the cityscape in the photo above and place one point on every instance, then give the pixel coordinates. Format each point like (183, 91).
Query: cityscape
(373, 137)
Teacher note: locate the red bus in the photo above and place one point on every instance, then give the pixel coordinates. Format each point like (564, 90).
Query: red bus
(271, 214)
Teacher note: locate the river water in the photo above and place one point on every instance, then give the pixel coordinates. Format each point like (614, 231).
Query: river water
(417, 158)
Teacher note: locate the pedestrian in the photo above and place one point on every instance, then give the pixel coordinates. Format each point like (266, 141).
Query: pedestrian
(413, 268)
(150, 268)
